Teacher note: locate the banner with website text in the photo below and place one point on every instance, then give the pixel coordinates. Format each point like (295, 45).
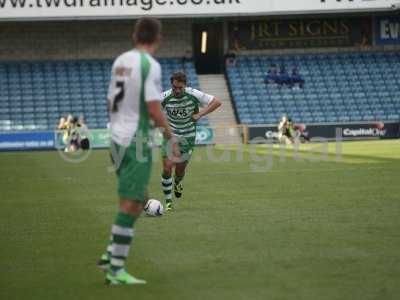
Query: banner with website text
(85, 9)
(99, 138)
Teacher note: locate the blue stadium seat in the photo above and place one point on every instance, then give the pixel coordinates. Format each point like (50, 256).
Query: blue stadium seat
(34, 95)
(339, 87)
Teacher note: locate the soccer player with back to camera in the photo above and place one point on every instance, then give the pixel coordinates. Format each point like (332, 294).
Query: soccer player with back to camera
(134, 98)
(182, 106)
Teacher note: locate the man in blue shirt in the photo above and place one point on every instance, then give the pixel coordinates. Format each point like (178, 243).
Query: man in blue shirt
(272, 75)
(296, 78)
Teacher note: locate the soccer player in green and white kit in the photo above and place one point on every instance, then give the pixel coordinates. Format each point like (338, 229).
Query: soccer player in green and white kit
(182, 106)
(134, 99)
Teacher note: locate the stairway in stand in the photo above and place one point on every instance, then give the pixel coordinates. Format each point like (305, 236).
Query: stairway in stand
(222, 120)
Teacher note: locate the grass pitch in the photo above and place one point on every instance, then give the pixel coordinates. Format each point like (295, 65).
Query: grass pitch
(298, 228)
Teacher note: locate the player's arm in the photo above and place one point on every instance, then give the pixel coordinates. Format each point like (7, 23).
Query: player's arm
(160, 121)
(157, 115)
(211, 106)
(153, 100)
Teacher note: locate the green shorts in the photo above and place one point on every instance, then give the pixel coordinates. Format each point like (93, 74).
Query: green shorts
(133, 171)
(186, 147)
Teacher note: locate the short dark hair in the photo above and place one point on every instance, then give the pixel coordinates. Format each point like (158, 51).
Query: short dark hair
(147, 31)
(179, 76)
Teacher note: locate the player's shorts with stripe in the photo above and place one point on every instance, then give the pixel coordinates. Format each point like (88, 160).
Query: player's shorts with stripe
(133, 170)
(186, 146)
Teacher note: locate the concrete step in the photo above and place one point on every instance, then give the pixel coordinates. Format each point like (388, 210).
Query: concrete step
(224, 118)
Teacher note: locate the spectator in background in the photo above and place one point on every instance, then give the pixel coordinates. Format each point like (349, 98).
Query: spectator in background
(284, 133)
(290, 133)
(236, 38)
(61, 124)
(187, 57)
(303, 136)
(81, 120)
(283, 77)
(78, 135)
(272, 75)
(230, 59)
(84, 142)
(365, 35)
(296, 78)
(70, 117)
(73, 135)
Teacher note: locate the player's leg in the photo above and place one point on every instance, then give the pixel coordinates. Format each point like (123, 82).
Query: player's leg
(166, 182)
(122, 234)
(104, 262)
(166, 176)
(180, 170)
(187, 148)
(133, 177)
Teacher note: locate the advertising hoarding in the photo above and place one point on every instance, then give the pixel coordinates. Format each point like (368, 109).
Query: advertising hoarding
(95, 9)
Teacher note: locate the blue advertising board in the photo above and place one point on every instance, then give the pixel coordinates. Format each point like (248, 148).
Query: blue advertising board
(27, 140)
(99, 138)
(387, 30)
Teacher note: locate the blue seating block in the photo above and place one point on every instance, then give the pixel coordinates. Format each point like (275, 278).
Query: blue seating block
(34, 95)
(339, 87)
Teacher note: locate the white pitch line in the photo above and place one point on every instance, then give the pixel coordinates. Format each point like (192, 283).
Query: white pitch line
(299, 170)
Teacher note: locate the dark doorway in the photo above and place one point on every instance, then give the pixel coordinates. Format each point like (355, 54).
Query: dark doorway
(208, 47)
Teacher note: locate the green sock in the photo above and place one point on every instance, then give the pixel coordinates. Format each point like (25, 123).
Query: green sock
(122, 234)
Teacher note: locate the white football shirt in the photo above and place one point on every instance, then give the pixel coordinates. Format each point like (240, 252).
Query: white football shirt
(126, 88)
(179, 111)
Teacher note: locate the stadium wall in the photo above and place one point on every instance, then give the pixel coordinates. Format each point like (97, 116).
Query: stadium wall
(84, 39)
(107, 38)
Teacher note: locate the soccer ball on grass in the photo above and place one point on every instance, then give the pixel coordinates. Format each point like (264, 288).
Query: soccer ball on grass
(154, 208)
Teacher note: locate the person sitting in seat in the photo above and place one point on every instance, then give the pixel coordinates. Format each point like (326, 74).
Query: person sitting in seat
(272, 75)
(283, 77)
(296, 78)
